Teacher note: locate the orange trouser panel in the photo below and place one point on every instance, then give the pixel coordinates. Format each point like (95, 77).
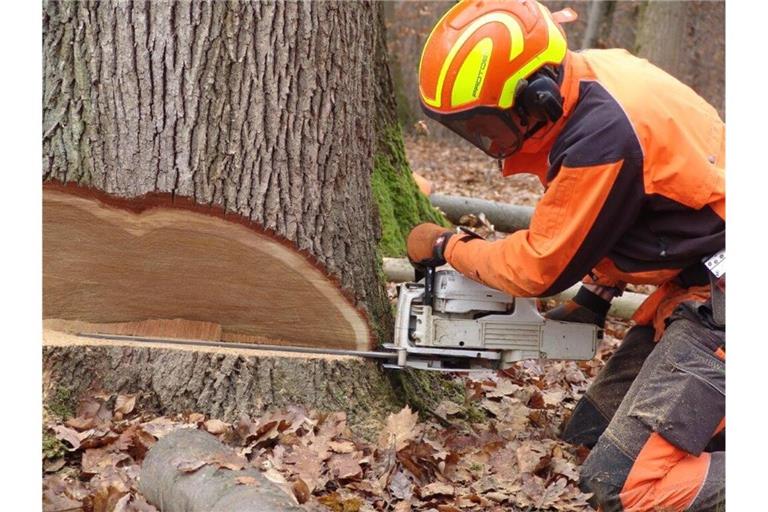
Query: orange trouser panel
(663, 477)
(662, 302)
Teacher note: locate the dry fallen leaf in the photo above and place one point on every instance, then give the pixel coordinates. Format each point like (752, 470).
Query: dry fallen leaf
(216, 427)
(189, 465)
(54, 465)
(247, 480)
(60, 503)
(447, 408)
(97, 460)
(341, 446)
(70, 436)
(503, 387)
(436, 488)
(399, 430)
(344, 466)
(561, 466)
(529, 456)
(402, 506)
(301, 491)
(401, 486)
(109, 489)
(274, 476)
(124, 404)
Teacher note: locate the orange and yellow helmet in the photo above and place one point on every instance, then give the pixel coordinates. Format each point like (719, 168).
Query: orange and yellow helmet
(478, 61)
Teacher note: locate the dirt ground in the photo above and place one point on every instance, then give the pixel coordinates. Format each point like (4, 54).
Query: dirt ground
(498, 451)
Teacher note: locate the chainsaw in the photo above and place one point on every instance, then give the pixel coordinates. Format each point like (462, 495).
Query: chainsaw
(447, 322)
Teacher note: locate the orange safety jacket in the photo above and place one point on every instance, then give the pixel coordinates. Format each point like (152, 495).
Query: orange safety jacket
(635, 187)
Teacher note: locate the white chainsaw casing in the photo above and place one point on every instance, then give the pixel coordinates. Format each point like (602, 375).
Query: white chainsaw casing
(468, 319)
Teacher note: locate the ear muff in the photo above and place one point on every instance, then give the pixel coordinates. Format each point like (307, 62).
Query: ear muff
(540, 97)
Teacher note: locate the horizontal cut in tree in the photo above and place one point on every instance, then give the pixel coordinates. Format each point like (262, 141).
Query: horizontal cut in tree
(165, 266)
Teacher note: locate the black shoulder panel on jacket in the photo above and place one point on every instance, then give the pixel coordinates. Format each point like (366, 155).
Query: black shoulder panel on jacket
(597, 132)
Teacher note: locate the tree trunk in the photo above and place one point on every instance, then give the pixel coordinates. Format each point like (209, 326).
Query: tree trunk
(222, 383)
(687, 39)
(662, 33)
(272, 114)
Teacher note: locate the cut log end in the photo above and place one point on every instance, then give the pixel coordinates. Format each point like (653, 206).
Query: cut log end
(162, 267)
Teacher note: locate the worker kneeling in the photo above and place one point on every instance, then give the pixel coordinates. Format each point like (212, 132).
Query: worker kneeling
(632, 161)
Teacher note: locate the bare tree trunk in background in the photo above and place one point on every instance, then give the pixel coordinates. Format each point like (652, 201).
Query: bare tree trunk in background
(597, 10)
(662, 33)
(264, 109)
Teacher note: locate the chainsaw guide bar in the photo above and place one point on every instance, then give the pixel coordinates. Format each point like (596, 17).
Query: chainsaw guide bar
(256, 347)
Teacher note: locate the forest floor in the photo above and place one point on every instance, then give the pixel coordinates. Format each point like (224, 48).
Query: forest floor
(500, 451)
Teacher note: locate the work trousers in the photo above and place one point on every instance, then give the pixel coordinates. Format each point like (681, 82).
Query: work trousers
(655, 419)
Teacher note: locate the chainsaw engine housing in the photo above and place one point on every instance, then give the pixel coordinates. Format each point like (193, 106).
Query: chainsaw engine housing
(465, 320)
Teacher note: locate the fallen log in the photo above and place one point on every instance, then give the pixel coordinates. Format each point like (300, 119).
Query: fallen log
(166, 482)
(506, 218)
(224, 383)
(399, 270)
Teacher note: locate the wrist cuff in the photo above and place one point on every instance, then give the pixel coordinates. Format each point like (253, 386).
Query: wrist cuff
(592, 302)
(440, 244)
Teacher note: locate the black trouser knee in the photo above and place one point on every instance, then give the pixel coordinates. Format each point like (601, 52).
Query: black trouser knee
(596, 408)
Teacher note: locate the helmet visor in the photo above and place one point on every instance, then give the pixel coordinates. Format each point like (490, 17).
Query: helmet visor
(489, 129)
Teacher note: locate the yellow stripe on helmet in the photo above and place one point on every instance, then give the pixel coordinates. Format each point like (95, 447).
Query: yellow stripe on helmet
(554, 54)
(469, 80)
(516, 48)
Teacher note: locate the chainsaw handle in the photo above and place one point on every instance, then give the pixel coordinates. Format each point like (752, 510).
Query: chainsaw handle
(429, 286)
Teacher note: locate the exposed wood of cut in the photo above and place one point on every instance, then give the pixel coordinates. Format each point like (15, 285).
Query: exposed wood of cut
(221, 382)
(160, 268)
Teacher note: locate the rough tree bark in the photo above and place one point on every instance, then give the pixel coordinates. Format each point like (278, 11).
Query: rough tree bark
(222, 383)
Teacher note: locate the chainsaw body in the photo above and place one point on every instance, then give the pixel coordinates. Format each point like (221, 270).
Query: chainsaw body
(448, 322)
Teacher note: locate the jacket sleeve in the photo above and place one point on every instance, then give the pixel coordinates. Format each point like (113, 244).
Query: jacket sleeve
(582, 214)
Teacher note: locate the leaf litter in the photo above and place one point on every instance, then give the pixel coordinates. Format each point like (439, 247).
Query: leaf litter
(511, 459)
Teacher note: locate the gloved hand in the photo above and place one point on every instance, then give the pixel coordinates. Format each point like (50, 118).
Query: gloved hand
(585, 308)
(426, 244)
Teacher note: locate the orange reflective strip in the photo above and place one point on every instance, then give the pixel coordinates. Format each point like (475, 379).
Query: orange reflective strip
(720, 427)
(663, 477)
(606, 267)
(720, 353)
(527, 262)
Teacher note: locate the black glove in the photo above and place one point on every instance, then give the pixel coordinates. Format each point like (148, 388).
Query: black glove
(585, 308)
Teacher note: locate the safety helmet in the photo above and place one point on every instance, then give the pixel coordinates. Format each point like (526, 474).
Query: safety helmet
(485, 71)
